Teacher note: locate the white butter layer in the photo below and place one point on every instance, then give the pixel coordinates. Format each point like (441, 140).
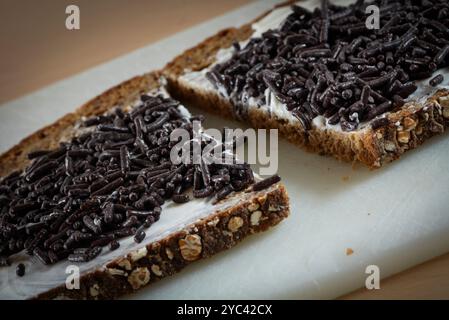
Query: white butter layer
(273, 106)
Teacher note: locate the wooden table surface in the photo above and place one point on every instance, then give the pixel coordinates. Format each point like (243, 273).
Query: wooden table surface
(37, 50)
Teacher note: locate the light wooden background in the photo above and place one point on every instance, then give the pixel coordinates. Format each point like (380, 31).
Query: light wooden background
(37, 50)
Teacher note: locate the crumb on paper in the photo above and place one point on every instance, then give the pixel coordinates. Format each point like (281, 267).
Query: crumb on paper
(349, 251)
(345, 178)
(356, 166)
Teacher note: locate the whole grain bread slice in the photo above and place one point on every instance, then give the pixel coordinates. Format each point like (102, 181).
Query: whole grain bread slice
(228, 223)
(406, 129)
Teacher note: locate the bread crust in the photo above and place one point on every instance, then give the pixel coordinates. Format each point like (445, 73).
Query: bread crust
(216, 232)
(372, 147)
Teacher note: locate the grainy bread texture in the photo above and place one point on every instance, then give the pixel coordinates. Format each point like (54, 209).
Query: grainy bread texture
(222, 229)
(406, 128)
(255, 212)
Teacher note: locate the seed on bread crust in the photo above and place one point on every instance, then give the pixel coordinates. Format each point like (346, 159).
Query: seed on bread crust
(124, 263)
(116, 272)
(156, 270)
(94, 290)
(274, 208)
(213, 222)
(409, 123)
(253, 206)
(190, 247)
(139, 277)
(235, 223)
(403, 136)
(255, 217)
(390, 146)
(138, 254)
(169, 253)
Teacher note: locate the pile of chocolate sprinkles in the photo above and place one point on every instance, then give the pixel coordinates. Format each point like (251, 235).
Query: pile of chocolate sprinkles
(327, 62)
(105, 184)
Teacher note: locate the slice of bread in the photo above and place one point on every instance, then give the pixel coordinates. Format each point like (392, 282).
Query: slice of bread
(185, 232)
(373, 145)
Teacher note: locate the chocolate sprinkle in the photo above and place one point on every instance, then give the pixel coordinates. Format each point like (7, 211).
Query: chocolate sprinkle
(438, 79)
(107, 183)
(266, 183)
(323, 62)
(114, 245)
(20, 270)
